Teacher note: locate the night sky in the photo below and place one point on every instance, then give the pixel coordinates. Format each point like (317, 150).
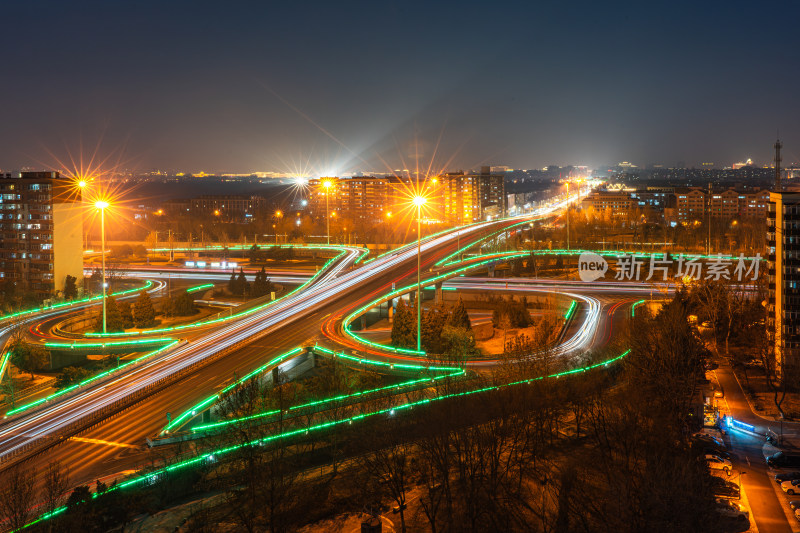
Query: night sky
(337, 87)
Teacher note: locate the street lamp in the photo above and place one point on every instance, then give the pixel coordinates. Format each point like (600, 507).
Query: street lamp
(102, 205)
(327, 184)
(82, 183)
(278, 216)
(567, 215)
(419, 201)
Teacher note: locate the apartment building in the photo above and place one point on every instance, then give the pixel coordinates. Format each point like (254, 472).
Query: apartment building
(783, 270)
(41, 229)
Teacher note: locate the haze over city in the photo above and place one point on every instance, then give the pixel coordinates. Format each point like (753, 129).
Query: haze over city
(327, 89)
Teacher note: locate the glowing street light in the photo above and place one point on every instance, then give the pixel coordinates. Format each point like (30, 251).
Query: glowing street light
(102, 205)
(419, 201)
(278, 216)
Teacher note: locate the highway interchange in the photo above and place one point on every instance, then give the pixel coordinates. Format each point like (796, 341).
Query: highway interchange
(200, 361)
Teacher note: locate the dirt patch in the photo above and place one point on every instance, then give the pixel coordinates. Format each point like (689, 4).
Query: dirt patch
(483, 332)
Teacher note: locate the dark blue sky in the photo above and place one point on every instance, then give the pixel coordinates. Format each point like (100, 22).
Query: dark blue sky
(241, 86)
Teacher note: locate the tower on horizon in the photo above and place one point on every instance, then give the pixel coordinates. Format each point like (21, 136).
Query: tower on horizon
(778, 146)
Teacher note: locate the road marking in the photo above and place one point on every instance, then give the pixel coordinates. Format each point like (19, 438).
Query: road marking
(104, 442)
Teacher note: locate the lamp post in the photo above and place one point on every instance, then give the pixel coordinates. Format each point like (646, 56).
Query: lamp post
(327, 184)
(82, 183)
(102, 205)
(419, 201)
(278, 215)
(567, 215)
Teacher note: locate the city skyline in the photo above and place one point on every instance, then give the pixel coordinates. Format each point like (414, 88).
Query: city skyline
(328, 91)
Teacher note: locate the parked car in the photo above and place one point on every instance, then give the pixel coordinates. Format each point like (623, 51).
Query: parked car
(797, 513)
(711, 440)
(791, 487)
(716, 462)
(786, 476)
(794, 505)
(783, 460)
(711, 365)
(717, 452)
(724, 488)
(731, 509)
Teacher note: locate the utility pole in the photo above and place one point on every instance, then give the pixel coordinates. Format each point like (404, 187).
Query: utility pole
(710, 201)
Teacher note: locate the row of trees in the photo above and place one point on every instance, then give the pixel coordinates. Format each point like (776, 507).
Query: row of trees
(142, 314)
(261, 286)
(508, 313)
(444, 330)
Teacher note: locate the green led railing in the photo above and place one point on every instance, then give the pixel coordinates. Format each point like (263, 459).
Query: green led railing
(214, 397)
(391, 411)
(348, 320)
(4, 364)
(572, 306)
(194, 410)
(607, 253)
(71, 303)
(170, 344)
(232, 316)
(200, 288)
(210, 457)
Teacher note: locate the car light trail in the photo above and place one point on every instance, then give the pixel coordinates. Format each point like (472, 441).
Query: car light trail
(324, 275)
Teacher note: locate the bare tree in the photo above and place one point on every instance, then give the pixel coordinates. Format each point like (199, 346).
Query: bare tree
(56, 484)
(390, 463)
(17, 496)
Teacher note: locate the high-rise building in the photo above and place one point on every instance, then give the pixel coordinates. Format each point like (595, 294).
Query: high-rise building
(366, 198)
(697, 204)
(783, 269)
(41, 231)
(473, 197)
(457, 198)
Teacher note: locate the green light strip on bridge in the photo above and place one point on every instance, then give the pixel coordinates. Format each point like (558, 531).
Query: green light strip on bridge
(62, 305)
(571, 310)
(200, 288)
(230, 317)
(214, 397)
(88, 380)
(211, 457)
